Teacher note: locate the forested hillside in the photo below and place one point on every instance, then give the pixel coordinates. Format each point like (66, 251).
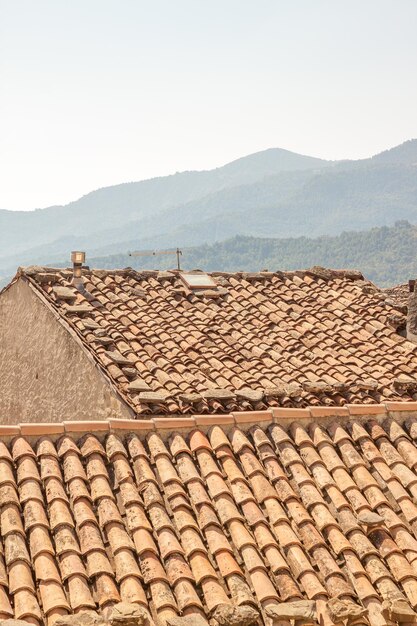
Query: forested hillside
(386, 256)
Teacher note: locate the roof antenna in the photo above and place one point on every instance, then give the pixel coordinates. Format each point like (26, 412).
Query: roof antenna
(178, 252)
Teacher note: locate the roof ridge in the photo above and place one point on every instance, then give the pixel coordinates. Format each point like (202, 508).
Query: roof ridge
(315, 271)
(398, 411)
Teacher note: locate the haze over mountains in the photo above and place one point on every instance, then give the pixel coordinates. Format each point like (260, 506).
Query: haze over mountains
(274, 193)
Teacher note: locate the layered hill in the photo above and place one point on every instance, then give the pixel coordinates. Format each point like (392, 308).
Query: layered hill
(111, 208)
(274, 193)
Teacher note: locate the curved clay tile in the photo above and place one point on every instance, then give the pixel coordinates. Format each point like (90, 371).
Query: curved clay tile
(21, 448)
(4, 453)
(65, 444)
(198, 441)
(89, 444)
(45, 447)
(114, 447)
(252, 516)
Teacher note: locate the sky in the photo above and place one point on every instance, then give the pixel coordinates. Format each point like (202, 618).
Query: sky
(99, 92)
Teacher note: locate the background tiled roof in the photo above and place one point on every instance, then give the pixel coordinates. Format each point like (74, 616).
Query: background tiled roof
(184, 521)
(261, 340)
(398, 294)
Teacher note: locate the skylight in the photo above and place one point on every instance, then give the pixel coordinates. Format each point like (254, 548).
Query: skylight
(198, 281)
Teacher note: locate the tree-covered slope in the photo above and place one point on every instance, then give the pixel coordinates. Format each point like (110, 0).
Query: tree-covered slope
(385, 255)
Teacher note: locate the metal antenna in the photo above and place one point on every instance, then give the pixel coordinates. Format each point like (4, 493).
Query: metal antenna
(178, 252)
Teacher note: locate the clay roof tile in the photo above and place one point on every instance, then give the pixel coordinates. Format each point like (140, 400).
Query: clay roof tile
(263, 516)
(136, 448)
(73, 467)
(129, 493)
(106, 590)
(260, 437)
(319, 434)
(20, 577)
(157, 446)
(66, 444)
(218, 438)
(198, 441)
(100, 488)
(240, 441)
(375, 430)
(40, 541)
(338, 433)
(357, 431)
(50, 469)
(89, 444)
(178, 445)
(27, 469)
(394, 430)
(299, 435)
(11, 520)
(279, 435)
(132, 591)
(115, 446)
(4, 453)
(46, 448)
(21, 448)
(26, 606)
(79, 593)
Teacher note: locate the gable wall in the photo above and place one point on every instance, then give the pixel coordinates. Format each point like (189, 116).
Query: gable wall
(45, 376)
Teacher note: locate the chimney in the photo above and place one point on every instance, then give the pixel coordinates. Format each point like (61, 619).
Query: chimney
(412, 312)
(77, 258)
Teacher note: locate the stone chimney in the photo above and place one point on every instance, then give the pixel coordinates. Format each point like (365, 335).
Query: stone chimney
(412, 312)
(77, 258)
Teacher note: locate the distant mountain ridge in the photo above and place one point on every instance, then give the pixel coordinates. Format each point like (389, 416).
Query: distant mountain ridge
(273, 193)
(404, 153)
(110, 206)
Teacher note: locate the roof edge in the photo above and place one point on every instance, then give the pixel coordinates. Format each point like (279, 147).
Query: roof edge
(400, 411)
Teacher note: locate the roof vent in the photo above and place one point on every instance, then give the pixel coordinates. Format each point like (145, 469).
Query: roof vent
(77, 259)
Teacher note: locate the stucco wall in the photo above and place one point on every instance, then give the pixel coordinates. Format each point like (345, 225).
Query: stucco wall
(44, 373)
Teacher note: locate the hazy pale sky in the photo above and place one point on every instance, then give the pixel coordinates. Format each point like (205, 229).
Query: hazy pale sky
(98, 92)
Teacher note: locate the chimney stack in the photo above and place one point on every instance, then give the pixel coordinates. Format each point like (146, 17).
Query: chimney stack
(412, 312)
(77, 258)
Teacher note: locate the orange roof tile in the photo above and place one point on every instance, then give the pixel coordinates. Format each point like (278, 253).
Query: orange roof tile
(286, 339)
(189, 521)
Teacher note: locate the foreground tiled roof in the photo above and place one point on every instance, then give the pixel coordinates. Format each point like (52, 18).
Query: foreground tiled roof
(185, 519)
(260, 340)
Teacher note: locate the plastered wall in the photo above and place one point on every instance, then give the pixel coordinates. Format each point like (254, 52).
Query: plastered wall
(45, 375)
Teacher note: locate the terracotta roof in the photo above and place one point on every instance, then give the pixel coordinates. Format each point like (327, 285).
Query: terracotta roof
(189, 520)
(256, 341)
(398, 295)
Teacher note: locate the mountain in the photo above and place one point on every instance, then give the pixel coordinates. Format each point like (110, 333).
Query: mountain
(405, 153)
(110, 207)
(274, 193)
